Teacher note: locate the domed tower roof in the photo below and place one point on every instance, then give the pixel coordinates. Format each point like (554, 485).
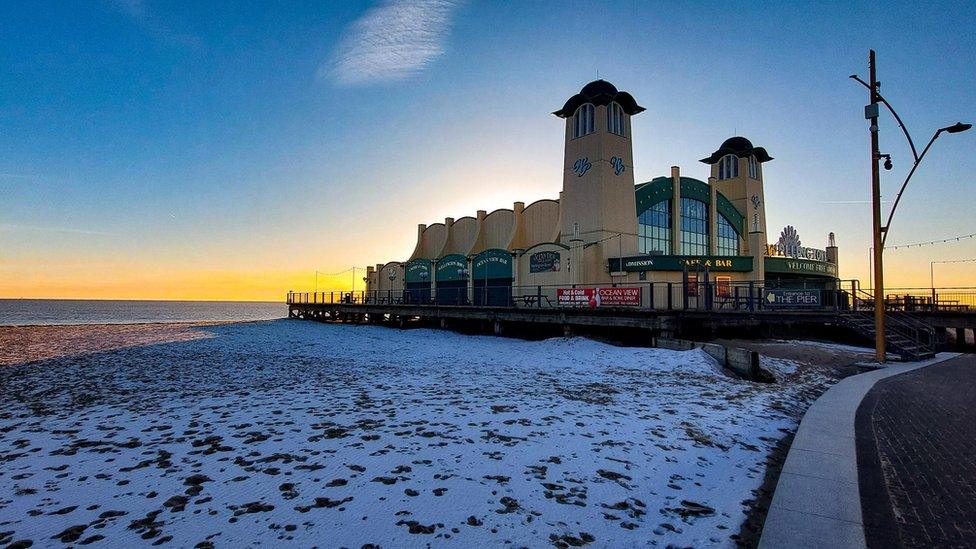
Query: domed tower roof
(599, 92)
(739, 146)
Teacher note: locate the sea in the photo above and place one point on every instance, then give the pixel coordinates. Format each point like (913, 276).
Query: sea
(24, 312)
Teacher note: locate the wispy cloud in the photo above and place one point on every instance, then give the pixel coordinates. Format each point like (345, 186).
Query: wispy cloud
(135, 8)
(15, 228)
(141, 15)
(393, 41)
(851, 202)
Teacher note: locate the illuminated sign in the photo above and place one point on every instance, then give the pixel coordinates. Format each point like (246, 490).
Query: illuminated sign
(799, 266)
(736, 263)
(789, 245)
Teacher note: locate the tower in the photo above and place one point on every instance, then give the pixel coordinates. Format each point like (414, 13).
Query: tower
(737, 173)
(597, 203)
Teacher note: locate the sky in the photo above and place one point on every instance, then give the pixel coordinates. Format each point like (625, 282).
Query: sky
(205, 150)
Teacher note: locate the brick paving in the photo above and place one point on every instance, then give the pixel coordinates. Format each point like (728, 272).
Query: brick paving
(916, 450)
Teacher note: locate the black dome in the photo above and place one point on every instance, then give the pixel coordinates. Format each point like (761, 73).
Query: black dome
(597, 87)
(739, 146)
(737, 143)
(599, 92)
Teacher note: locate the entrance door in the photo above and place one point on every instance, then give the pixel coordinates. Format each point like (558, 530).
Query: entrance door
(493, 292)
(452, 292)
(417, 293)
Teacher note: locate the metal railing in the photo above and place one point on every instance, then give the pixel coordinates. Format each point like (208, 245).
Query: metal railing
(922, 299)
(714, 295)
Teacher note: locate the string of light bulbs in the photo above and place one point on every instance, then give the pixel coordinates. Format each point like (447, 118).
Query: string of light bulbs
(931, 242)
(320, 273)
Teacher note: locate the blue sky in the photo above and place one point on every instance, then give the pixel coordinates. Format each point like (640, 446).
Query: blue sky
(148, 146)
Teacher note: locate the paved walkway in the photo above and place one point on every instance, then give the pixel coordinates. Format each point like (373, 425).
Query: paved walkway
(916, 456)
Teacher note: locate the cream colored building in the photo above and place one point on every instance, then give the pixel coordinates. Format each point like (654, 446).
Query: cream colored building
(605, 231)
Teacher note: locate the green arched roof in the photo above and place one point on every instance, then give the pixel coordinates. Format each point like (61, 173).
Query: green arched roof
(662, 188)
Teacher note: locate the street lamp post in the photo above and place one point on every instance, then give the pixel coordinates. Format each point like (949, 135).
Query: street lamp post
(880, 231)
(871, 113)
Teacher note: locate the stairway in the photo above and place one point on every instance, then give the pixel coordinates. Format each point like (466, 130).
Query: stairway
(911, 339)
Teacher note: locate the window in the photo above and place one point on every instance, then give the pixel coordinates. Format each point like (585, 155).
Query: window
(694, 227)
(654, 229)
(723, 287)
(728, 167)
(615, 119)
(583, 121)
(728, 237)
(753, 167)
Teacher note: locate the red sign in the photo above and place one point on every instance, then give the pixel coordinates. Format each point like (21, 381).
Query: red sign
(599, 297)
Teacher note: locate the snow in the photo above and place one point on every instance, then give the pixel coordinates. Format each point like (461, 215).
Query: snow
(298, 433)
(780, 368)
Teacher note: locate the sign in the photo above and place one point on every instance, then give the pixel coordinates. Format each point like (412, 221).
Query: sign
(789, 245)
(544, 262)
(418, 270)
(618, 165)
(732, 263)
(784, 265)
(492, 263)
(599, 297)
(451, 267)
(792, 298)
(582, 166)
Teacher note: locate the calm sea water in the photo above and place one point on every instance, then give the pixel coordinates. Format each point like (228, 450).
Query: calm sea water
(76, 311)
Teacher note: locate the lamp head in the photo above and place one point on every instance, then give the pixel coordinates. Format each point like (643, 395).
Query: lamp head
(958, 127)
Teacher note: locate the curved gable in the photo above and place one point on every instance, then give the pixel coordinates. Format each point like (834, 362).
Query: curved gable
(498, 228)
(462, 235)
(433, 240)
(540, 222)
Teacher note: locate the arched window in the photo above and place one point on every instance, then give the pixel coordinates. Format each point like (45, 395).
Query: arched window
(728, 167)
(728, 237)
(615, 119)
(694, 227)
(753, 167)
(583, 120)
(654, 229)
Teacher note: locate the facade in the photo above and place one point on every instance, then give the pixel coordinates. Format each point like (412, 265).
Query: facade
(605, 231)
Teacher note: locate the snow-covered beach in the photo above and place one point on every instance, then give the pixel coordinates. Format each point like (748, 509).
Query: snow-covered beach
(307, 434)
